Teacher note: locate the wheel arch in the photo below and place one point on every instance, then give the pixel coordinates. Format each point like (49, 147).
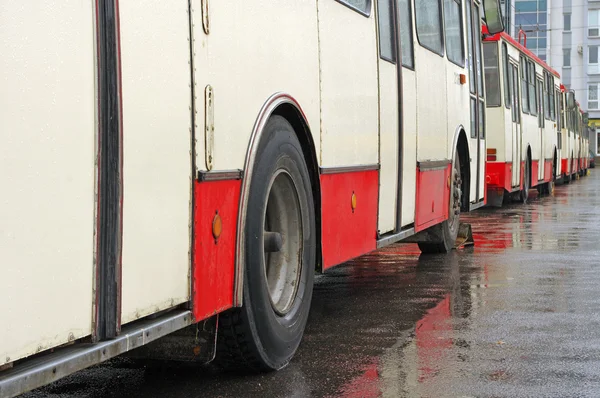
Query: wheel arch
(461, 144)
(285, 105)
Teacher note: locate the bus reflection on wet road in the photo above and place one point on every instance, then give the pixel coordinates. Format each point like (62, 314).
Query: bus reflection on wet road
(516, 315)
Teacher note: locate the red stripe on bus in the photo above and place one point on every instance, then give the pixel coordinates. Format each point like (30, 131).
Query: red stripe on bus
(347, 232)
(433, 197)
(214, 259)
(534, 173)
(548, 170)
(564, 163)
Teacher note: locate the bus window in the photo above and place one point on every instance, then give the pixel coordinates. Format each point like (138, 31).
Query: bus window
(516, 115)
(387, 44)
(453, 32)
(406, 40)
(362, 6)
(506, 74)
(524, 90)
(539, 85)
(546, 86)
(552, 99)
(429, 25)
(492, 77)
(533, 105)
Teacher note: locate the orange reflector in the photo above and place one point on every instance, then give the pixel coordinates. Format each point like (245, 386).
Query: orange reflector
(463, 78)
(491, 158)
(491, 151)
(217, 226)
(353, 201)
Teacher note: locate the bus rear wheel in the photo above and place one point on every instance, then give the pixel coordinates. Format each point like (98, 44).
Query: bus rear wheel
(443, 235)
(280, 255)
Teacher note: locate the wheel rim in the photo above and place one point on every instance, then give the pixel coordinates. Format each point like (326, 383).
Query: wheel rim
(456, 184)
(282, 242)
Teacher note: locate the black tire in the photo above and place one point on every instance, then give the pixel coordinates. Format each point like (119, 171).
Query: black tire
(526, 182)
(443, 236)
(258, 337)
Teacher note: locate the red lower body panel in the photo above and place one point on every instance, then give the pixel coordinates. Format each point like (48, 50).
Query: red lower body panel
(522, 175)
(534, 172)
(548, 170)
(433, 197)
(347, 232)
(499, 174)
(564, 163)
(214, 259)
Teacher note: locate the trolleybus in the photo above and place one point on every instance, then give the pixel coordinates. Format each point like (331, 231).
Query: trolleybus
(523, 120)
(182, 168)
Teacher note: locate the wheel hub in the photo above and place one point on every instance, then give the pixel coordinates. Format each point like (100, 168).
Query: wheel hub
(282, 242)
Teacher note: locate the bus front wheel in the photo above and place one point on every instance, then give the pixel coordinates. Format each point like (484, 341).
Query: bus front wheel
(280, 256)
(443, 236)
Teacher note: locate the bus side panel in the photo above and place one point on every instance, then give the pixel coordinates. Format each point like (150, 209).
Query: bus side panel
(534, 172)
(348, 61)
(548, 170)
(216, 203)
(157, 165)
(255, 49)
(433, 197)
(48, 136)
(349, 215)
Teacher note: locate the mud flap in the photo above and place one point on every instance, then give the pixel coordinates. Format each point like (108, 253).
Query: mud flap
(495, 197)
(465, 236)
(196, 343)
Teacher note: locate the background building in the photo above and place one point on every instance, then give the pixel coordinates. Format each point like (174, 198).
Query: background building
(566, 34)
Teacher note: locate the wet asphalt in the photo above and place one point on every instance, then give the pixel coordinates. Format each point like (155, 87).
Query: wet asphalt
(516, 315)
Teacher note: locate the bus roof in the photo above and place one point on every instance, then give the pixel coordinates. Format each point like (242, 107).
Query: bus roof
(519, 46)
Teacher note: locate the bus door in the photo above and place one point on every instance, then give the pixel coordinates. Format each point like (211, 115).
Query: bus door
(516, 133)
(389, 116)
(539, 87)
(477, 102)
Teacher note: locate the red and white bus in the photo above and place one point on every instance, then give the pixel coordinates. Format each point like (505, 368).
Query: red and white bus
(523, 115)
(179, 166)
(573, 137)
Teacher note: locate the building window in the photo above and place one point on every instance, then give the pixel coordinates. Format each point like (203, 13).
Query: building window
(406, 38)
(593, 59)
(429, 25)
(593, 96)
(593, 23)
(566, 22)
(566, 57)
(453, 32)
